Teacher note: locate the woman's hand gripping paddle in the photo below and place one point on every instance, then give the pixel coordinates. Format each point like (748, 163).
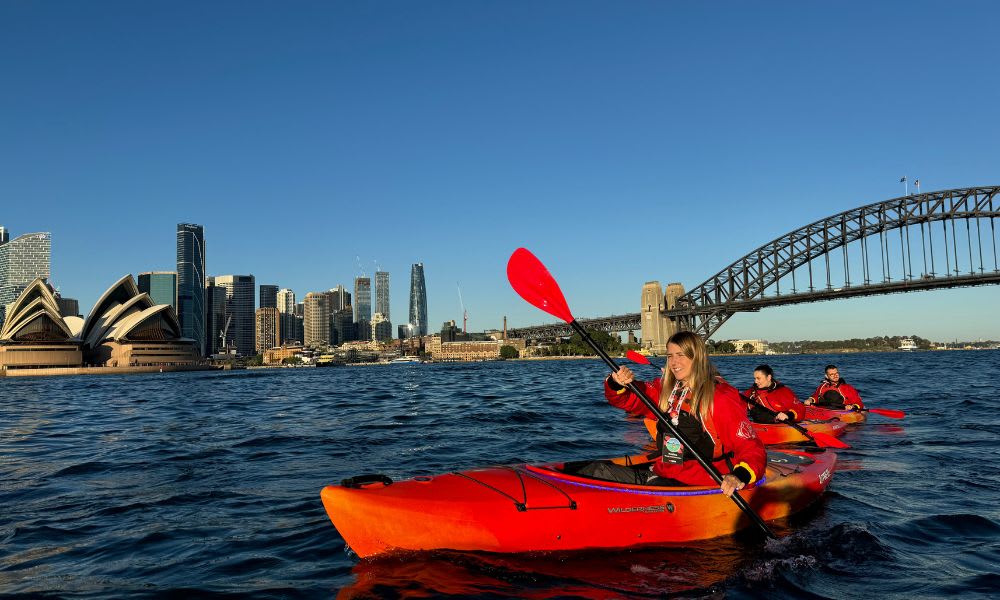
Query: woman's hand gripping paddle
(822, 440)
(533, 282)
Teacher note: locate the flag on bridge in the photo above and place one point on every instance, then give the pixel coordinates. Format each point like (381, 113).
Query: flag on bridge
(902, 179)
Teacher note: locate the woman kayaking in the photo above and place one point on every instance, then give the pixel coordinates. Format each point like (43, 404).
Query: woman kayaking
(770, 396)
(704, 408)
(834, 392)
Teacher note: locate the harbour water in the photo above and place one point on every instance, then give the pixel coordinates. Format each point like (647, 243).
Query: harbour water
(207, 484)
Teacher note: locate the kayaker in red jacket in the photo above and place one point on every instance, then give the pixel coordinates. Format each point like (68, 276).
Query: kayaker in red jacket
(834, 392)
(706, 409)
(769, 393)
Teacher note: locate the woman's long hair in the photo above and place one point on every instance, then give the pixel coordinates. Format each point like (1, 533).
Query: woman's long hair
(702, 378)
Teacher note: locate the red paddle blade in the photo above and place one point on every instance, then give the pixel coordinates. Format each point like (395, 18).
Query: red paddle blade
(533, 282)
(885, 412)
(828, 441)
(635, 357)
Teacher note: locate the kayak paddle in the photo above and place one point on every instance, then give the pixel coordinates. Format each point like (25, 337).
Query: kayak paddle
(533, 282)
(885, 412)
(822, 440)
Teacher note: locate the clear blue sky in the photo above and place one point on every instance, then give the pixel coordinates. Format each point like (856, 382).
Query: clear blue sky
(620, 142)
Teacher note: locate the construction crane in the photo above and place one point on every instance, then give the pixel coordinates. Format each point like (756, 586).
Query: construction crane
(222, 335)
(465, 315)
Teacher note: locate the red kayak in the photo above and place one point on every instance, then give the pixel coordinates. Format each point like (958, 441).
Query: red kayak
(847, 416)
(780, 433)
(527, 508)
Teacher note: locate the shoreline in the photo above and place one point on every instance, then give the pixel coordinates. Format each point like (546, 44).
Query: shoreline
(103, 370)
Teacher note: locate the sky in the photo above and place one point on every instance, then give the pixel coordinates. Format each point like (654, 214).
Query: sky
(619, 142)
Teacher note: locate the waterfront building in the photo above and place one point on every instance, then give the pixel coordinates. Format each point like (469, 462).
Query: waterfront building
(381, 328)
(215, 321)
(191, 283)
(285, 301)
(275, 356)
(268, 296)
(759, 346)
(35, 335)
(240, 307)
(161, 286)
(316, 323)
(404, 331)
(68, 307)
(127, 329)
(267, 328)
(469, 350)
(22, 260)
(382, 294)
(363, 307)
(418, 300)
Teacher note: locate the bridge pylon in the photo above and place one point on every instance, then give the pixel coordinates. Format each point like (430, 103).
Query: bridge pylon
(656, 326)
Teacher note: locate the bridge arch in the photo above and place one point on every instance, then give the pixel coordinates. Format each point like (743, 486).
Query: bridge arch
(801, 259)
(920, 242)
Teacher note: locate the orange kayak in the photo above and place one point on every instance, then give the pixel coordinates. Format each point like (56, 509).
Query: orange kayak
(847, 416)
(527, 508)
(779, 433)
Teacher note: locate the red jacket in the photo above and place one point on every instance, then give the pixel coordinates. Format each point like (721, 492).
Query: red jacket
(778, 398)
(729, 429)
(846, 391)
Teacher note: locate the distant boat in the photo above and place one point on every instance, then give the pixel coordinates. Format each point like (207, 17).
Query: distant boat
(907, 345)
(404, 359)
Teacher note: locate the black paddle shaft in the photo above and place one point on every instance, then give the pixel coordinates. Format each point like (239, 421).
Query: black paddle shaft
(708, 466)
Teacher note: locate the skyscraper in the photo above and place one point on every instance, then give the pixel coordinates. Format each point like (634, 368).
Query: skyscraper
(268, 329)
(22, 260)
(239, 306)
(215, 318)
(285, 301)
(382, 294)
(191, 282)
(268, 296)
(289, 325)
(316, 323)
(340, 298)
(363, 307)
(161, 287)
(418, 300)
(4, 236)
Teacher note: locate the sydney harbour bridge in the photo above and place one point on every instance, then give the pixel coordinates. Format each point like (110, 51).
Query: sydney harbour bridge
(942, 239)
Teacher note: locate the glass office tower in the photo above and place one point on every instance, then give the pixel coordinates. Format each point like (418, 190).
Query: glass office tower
(22, 260)
(161, 287)
(363, 307)
(191, 282)
(418, 300)
(382, 294)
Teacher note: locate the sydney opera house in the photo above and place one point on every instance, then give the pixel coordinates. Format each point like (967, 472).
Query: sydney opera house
(125, 331)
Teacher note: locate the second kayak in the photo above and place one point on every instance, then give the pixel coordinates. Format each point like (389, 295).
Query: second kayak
(780, 433)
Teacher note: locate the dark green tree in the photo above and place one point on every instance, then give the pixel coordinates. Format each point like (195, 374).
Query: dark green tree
(508, 352)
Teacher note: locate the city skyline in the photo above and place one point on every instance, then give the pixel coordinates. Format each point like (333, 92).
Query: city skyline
(608, 139)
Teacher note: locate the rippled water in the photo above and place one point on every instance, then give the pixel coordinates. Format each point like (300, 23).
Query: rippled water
(208, 483)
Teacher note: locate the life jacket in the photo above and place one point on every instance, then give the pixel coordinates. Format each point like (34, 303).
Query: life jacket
(703, 435)
(830, 395)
